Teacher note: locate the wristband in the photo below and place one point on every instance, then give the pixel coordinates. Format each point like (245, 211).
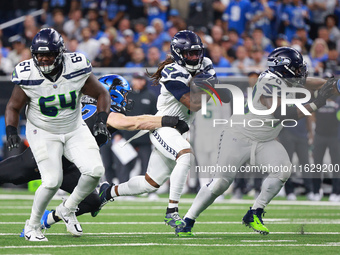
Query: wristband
(11, 130)
(313, 106)
(102, 117)
(169, 121)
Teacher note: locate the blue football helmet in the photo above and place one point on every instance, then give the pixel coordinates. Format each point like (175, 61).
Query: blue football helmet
(48, 41)
(117, 86)
(288, 64)
(184, 44)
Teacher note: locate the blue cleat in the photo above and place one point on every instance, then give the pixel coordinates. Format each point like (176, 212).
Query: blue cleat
(102, 196)
(43, 220)
(22, 234)
(186, 231)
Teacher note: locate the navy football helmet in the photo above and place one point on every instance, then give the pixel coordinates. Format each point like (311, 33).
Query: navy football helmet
(48, 41)
(117, 86)
(187, 50)
(288, 64)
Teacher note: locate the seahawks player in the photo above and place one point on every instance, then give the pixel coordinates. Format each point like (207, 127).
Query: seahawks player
(51, 84)
(170, 158)
(242, 143)
(27, 169)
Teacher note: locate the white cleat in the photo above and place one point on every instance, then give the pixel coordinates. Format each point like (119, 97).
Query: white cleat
(70, 219)
(33, 234)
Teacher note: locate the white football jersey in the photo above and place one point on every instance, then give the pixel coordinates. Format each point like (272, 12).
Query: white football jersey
(54, 106)
(261, 127)
(167, 104)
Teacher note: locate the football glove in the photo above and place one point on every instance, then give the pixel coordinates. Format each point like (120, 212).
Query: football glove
(325, 92)
(100, 132)
(204, 80)
(13, 139)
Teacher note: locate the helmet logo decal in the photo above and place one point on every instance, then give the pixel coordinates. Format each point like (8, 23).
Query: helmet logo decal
(278, 61)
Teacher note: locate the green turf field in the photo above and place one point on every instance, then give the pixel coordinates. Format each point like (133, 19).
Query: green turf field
(136, 227)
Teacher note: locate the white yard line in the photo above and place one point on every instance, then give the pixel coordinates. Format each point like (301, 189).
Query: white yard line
(163, 244)
(190, 200)
(267, 221)
(172, 233)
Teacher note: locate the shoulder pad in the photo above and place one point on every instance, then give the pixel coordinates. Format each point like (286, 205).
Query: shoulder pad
(207, 66)
(76, 64)
(175, 72)
(24, 74)
(267, 81)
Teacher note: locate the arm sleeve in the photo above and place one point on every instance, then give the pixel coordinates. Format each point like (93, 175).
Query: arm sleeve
(177, 88)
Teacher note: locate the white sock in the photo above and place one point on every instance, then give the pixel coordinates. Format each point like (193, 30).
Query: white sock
(172, 205)
(203, 199)
(270, 188)
(179, 176)
(135, 186)
(42, 198)
(86, 185)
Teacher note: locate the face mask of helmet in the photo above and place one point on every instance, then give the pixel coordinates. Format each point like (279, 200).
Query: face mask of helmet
(193, 59)
(48, 66)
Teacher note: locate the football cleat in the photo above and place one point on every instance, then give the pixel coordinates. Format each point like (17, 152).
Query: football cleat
(33, 234)
(102, 195)
(186, 231)
(174, 220)
(43, 220)
(70, 219)
(253, 219)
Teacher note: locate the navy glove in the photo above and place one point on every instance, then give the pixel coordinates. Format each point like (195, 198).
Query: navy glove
(13, 139)
(325, 92)
(100, 131)
(204, 78)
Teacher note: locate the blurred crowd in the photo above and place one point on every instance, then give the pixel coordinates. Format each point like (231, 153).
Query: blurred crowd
(237, 34)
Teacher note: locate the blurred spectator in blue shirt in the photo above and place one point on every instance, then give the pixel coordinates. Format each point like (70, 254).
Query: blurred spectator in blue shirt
(218, 60)
(156, 9)
(262, 12)
(295, 16)
(236, 15)
(114, 11)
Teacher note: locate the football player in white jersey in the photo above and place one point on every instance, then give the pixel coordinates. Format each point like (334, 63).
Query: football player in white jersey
(257, 143)
(51, 83)
(171, 156)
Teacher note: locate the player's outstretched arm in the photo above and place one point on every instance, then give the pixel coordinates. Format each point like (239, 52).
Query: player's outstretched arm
(145, 122)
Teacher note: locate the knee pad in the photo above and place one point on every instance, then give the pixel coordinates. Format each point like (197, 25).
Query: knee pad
(148, 187)
(98, 172)
(219, 186)
(284, 176)
(51, 184)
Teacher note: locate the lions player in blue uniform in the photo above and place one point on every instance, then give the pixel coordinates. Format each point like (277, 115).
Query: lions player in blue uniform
(257, 143)
(171, 158)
